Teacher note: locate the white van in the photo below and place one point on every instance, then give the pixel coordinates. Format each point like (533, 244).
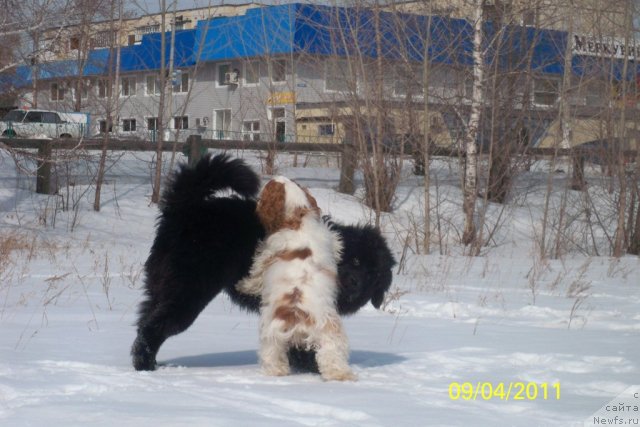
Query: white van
(39, 123)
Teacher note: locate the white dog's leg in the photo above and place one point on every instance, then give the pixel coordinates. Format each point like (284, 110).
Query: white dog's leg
(253, 283)
(273, 355)
(332, 354)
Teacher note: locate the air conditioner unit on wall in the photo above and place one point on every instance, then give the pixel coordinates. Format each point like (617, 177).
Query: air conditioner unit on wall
(231, 78)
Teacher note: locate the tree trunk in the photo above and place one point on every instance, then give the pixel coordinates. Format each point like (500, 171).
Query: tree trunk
(157, 180)
(112, 101)
(471, 163)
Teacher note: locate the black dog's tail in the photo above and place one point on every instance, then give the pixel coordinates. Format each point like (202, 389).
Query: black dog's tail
(192, 185)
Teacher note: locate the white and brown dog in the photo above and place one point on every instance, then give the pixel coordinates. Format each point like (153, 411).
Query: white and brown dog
(295, 272)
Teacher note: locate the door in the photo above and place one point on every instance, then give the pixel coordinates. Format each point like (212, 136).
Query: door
(222, 125)
(280, 131)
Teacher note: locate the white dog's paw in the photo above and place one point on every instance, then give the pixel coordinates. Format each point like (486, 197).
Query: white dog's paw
(276, 371)
(339, 375)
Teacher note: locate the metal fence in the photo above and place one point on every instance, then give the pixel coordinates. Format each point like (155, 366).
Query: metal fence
(194, 148)
(195, 145)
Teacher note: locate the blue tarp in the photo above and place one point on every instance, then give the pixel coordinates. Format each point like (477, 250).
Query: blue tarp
(292, 29)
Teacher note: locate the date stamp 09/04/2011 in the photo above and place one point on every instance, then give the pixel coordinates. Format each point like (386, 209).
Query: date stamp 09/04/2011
(504, 391)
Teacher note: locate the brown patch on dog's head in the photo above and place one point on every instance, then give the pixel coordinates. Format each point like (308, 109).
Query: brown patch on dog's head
(271, 207)
(277, 209)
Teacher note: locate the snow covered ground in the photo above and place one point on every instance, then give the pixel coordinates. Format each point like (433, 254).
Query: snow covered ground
(70, 283)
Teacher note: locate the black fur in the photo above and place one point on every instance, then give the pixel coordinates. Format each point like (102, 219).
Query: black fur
(205, 243)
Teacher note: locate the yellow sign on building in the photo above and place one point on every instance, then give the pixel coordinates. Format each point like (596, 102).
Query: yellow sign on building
(281, 98)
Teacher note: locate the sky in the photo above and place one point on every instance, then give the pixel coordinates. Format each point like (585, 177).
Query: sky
(142, 7)
(152, 6)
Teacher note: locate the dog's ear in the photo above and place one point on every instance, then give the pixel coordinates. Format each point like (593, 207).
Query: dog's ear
(381, 285)
(271, 209)
(377, 298)
(311, 199)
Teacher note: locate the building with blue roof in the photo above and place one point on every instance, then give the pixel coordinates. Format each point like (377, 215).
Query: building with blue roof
(311, 72)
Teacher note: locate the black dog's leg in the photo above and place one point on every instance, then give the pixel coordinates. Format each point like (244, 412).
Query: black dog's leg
(302, 360)
(157, 323)
(145, 348)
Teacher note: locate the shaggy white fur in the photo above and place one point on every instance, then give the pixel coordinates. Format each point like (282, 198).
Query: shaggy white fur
(295, 271)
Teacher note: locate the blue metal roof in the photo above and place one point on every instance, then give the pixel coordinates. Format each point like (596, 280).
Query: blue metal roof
(326, 30)
(146, 55)
(96, 64)
(260, 32)
(343, 31)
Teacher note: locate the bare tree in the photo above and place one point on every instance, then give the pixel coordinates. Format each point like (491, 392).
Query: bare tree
(157, 179)
(80, 40)
(111, 110)
(471, 149)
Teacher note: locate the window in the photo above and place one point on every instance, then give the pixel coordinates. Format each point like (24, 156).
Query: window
(279, 70)
(74, 43)
(336, 72)
(181, 122)
(328, 129)
(33, 117)
(104, 88)
(103, 128)
(222, 125)
(147, 29)
(153, 86)
(131, 39)
(128, 86)
(103, 39)
(129, 125)
(49, 117)
(152, 123)
(529, 18)
(280, 126)
(251, 130)
(84, 86)
(252, 72)
(453, 83)
(14, 116)
(277, 113)
(57, 92)
(596, 94)
(468, 86)
(545, 91)
(408, 81)
(223, 69)
(181, 22)
(181, 82)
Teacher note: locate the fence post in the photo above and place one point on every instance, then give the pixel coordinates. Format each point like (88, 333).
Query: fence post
(577, 178)
(194, 149)
(347, 168)
(43, 174)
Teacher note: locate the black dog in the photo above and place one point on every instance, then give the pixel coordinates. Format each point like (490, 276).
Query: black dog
(205, 243)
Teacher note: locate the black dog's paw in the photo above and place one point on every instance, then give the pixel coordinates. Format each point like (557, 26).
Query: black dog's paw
(143, 360)
(303, 361)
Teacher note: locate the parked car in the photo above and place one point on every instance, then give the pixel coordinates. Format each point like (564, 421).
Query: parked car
(37, 123)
